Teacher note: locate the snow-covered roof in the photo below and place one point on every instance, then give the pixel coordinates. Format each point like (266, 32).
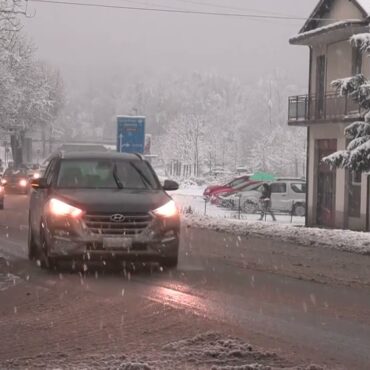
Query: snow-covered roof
(351, 25)
(322, 7)
(365, 5)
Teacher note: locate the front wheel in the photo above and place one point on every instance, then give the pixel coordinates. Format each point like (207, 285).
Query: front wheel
(250, 207)
(299, 210)
(32, 247)
(46, 262)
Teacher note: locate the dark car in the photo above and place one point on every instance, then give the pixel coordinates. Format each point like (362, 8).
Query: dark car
(16, 180)
(102, 206)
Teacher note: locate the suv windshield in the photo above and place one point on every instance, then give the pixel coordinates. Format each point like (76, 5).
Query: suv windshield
(105, 174)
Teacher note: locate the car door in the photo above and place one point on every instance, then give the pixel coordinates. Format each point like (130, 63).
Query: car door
(297, 192)
(39, 198)
(279, 196)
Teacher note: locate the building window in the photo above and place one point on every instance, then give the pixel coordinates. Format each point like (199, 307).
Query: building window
(356, 61)
(354, 194)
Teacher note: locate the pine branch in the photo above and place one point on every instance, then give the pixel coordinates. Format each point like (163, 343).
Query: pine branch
(349, 85)
(361, 41)
(356, 130)
(338, 159)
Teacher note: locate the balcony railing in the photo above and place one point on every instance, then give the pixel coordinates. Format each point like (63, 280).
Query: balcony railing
(330, 107)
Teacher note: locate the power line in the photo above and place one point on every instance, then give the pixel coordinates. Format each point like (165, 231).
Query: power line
(220, 6)
(179, 11)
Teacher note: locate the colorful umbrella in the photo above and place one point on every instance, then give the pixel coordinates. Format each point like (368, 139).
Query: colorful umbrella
(263, 176)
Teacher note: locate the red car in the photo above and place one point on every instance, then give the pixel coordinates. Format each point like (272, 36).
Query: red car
(211, 190)
(215, 198)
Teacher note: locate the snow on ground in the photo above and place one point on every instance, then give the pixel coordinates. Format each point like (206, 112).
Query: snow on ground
(212, 217)
(344, 240)
(204, 351)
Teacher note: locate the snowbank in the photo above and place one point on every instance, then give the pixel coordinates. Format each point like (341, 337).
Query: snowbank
(344, 240)
(204, 351)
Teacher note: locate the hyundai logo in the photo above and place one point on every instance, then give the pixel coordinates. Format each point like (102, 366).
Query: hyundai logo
(117, 218)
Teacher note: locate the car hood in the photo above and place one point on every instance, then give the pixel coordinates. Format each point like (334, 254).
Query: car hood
(113, 200)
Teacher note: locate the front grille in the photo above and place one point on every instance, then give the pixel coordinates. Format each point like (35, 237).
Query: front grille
(131, 225)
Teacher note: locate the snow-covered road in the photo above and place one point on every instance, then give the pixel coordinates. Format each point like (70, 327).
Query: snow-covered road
(233, 301)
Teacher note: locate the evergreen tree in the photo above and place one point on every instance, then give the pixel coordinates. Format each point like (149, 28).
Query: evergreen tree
(357, 155)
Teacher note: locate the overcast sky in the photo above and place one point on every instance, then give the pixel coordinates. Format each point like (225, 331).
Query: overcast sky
(90, 43)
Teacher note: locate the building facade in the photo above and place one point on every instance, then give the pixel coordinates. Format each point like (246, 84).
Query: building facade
(336, 198)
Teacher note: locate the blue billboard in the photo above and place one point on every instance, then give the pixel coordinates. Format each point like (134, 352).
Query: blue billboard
(130, 134)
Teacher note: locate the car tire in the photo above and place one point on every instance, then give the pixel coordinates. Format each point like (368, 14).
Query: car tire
(250, 207)
(299, 210)
(1, 205)
(46, 262)
(169, 262)
(32, 247)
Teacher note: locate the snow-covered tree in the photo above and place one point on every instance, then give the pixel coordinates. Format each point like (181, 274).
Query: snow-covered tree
(356, 156)
(31, 92)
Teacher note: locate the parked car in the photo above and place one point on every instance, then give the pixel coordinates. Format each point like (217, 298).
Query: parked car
(102, 206)
(286, 196)
(16, 180)
(232, 200)
(210, 190)
(219, 196)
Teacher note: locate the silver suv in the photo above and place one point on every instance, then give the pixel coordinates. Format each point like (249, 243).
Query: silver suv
(286, 196)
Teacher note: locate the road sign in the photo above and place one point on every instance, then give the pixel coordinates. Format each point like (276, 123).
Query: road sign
(130, 134)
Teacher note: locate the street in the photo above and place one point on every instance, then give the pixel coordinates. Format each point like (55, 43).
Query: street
(275, 308)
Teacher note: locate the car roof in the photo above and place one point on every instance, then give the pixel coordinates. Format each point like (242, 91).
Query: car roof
(290, 179)
(99, 155)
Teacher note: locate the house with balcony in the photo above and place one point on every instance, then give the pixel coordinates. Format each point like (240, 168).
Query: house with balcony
(336, 198)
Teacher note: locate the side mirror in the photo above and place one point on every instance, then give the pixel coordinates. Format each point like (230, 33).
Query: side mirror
(170, 185)
(40, 183)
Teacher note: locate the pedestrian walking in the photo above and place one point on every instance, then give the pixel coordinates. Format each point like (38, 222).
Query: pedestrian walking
(265, 202)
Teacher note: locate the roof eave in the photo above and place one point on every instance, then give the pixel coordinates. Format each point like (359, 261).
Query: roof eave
(308, 37)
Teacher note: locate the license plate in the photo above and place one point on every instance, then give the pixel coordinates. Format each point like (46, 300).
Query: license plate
(117, 243)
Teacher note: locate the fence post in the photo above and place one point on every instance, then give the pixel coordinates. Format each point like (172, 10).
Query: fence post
(296, 108)
(291, 212)
(239, 208)
(205, 207)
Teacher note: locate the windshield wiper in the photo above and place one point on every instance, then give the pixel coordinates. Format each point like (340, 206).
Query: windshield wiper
(145, 180)
(116, 177)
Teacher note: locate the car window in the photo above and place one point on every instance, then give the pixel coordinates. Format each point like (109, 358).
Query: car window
(298, 187)
(106, 174)
(279, 187)
(236, 182)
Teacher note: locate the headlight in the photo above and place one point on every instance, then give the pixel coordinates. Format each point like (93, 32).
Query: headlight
(36, 175)
(3, 181)
(59, 208)
(168, 210)
(23, 183)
